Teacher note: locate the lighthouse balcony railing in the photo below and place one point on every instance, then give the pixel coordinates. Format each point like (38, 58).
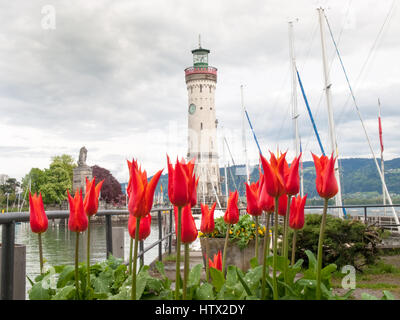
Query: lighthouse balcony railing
(208, 69)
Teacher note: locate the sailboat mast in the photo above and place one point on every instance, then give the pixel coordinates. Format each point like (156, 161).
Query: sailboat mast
(244, 136)
(295, 113)
(332, 133)
(294, 89)
(225, 173)
(382, 161)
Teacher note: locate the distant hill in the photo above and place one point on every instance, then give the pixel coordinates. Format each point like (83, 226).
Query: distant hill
(359, 178)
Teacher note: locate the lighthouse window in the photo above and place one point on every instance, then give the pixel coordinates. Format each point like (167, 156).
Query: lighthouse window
(191, 89)
(201, 125)
(201, 88)
(210, 89)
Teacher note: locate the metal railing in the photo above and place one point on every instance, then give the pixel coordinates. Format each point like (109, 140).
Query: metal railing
(364, 210)
(9, 220)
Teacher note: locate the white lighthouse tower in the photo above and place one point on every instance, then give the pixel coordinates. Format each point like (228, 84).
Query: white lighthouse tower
(201, 80)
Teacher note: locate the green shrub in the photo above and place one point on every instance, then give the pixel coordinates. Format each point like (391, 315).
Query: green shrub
(347, 241)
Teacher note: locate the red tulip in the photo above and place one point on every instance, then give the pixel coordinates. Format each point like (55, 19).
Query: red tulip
(252, 195)
(292, 179)
(188, 226)
(296, 218)
(144, 227)
(274, 175)
(282, 204)
(217, 262)
(182, 183)
(78, 220)
(141, 192)
(326, 183)
(232, 211)
(207, 218)
(265, 201)
(38, 218)
(91, 200)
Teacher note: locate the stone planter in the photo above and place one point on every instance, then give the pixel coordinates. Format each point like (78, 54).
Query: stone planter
(235, 256)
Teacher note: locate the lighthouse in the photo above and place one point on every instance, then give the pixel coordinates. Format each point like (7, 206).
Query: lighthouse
(201, 80)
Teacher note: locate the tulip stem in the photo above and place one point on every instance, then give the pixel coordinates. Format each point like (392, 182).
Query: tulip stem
(294, 246)
(88, 253)
(40, 252)
(320, 244)
(228, 229)
(275, 258)
(207, 263)
(186, 270)
(286, 244)
(178, 254)
(265, 255)
(133, 292)
(256, 247)
(130, 255)
(77, 265)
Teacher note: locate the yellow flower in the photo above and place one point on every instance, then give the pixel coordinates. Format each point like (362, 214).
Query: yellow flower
(230, 231)
(253, 225)
(200, 233)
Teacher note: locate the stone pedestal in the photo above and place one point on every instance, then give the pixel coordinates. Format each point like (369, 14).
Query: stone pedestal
(79, 175)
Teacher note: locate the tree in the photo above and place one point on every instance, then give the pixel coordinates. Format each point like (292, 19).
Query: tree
(64, 161)
(53, 182)
(111, 189)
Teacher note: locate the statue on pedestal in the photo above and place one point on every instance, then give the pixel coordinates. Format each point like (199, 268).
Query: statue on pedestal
(81, 172)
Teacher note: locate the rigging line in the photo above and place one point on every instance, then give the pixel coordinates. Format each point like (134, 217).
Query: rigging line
(364, 128)
(309, 112)
(372, 49)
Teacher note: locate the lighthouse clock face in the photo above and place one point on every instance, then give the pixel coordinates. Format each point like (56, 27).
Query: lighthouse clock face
(192, 108)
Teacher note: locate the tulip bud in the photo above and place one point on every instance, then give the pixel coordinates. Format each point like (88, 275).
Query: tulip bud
(38, 219)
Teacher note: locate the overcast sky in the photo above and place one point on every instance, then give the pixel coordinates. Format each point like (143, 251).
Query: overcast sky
(109, 76)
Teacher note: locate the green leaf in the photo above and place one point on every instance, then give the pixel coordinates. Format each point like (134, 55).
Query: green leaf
(387, 295)
(103, 282)
(254, 262)
(217, 278)
(160, 268)
(30, 281)
(328, 270)
(37, 292)
(65, 293)
(67, 274)
(367, 296)
(244, 284)
(194, 275)
(280, 262)
(298, 264)
(231, 276)
(204, 292)
(312, 261)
